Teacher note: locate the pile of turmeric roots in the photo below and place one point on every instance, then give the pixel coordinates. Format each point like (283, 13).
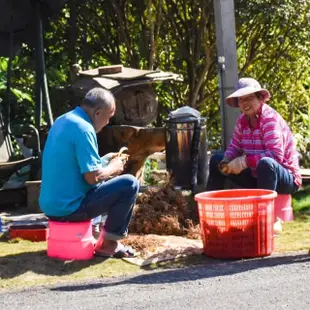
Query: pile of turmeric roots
(165, 211)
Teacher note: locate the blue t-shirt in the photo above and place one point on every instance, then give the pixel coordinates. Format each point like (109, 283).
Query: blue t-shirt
(70, 151)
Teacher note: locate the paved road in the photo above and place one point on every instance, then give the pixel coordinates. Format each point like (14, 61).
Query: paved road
(281, 282)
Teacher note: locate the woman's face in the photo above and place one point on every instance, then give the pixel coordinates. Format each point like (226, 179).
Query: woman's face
(249, 104)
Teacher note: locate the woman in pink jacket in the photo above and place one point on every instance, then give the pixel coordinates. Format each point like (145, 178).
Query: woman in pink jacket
(262, 152)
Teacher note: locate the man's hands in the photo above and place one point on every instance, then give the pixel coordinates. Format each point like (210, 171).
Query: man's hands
(236, 166)
(113, 164)
(117, 165)
(105, 160)
(118, 161)
(121, 153)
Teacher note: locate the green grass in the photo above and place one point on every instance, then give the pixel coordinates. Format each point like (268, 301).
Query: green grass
(25, 264)
(301, 200)
(295, 235)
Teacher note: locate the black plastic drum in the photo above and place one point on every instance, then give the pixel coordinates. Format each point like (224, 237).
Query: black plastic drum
(186, 151)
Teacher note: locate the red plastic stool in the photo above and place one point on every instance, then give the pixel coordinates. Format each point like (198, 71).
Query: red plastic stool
(283, 208)
(70, 241)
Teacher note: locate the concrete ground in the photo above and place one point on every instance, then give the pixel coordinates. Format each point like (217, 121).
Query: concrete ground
(276, 282)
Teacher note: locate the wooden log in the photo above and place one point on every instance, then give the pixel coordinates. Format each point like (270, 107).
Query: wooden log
(110, 69)
(141, 143)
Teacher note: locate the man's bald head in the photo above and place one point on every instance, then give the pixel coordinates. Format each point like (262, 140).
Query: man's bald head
(99, 98)
(99, 104)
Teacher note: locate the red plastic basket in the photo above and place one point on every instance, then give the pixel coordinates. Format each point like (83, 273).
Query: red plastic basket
(237, 223)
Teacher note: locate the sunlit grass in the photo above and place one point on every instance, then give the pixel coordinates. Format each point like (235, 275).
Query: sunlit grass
(24, 264)
(301, 200)
(295, 235)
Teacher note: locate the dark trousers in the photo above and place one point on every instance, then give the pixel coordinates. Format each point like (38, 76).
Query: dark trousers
(270, 175)
(115, 198)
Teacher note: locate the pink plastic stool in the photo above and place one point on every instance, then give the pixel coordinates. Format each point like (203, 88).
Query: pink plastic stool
(283, 208)
(70, 241)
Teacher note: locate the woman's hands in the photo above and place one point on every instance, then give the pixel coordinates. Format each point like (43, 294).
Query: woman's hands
(235, 166)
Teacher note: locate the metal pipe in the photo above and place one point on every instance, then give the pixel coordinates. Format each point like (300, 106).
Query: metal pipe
(41, 73)
(9, 80)
(7, 123)
(38, 99)
(221, 69)
(228, 69)
(38, 102)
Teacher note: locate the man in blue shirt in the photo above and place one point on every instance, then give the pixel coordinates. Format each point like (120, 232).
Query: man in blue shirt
(78, 185)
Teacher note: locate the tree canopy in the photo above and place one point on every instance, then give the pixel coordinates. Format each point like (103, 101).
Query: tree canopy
(179, 35)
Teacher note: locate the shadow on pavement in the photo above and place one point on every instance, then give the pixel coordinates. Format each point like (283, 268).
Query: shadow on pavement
(209, 269)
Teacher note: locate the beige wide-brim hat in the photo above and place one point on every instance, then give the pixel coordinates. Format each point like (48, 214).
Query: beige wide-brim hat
(246, 86)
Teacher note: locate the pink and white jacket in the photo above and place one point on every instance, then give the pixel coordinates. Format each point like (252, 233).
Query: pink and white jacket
(271, 138)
